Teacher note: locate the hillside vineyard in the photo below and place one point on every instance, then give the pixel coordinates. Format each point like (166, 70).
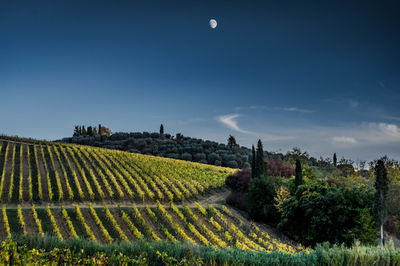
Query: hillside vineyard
(73, 191)
(59, 173)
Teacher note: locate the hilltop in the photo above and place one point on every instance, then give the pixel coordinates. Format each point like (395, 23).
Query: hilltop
(166, 145)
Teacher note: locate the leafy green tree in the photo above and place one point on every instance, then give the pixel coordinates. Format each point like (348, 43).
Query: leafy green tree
(161, 129)
(334, 159)
(261, 166)
(320, 212)
(298, 181)
(381, 195)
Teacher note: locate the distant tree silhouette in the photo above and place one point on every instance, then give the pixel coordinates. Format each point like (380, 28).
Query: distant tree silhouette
(76, 131)
(83, 131)
(89, 131)
(334, 159)
(161, 129)
(253, 162)
(232, 141)
(100, 130)
(261, 165)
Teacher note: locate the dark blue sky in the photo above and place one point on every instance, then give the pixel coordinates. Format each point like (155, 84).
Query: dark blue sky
(321, 76)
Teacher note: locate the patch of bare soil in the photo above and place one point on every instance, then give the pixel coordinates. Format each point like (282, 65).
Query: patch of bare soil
(3, 233)
(43, 179)
(92, 224)
(75, 169)
(25, 171)
(31, 227)
(151, 224)
(177, 220)
(122, 224)
(62, 224)
(59, 171)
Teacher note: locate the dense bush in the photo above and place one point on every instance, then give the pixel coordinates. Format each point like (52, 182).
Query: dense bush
(186, 156)
(238, 183)
(261, 194)
(320, 212)
(232, 164)
(276, 167)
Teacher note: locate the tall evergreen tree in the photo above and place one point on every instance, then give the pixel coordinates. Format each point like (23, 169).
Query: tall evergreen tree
(253, 162)
(334, 159)
(76, 131)
(100, 130)
(261, 166)
(298, 181)
(232, 141)
(161, 129)
(89, 131)
(381, 195)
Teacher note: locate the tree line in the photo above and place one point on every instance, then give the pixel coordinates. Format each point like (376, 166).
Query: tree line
(312, 209)
(81, 130)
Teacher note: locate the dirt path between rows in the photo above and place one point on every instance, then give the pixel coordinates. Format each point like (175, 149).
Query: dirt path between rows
(216, 199)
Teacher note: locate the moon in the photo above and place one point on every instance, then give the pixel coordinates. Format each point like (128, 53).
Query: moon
(213, 23)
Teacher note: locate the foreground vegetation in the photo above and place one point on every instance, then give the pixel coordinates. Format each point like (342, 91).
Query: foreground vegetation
(46, 250)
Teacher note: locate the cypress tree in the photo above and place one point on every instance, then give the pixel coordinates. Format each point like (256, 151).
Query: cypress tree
(381, 194)
(99, 132)
(76, 131)
(89, 131)
(161, 129)
(298, 181)
(260, 163)
(253, 162)
(334, 159)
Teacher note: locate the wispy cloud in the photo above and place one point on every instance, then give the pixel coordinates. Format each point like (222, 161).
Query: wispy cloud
(344, 140)
(294, 109)
(390, 130)
(275, 108)
(351, 103)
(382, 84)
(251, 107)
(230, 120)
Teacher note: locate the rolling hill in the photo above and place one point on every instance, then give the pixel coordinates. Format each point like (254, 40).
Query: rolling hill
(75, 191)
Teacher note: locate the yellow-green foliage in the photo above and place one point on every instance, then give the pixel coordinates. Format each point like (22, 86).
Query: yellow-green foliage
(5, 221)
(37, 221)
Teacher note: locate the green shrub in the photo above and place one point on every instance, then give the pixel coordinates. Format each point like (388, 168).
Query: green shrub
(320, 212)
(261, 194)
